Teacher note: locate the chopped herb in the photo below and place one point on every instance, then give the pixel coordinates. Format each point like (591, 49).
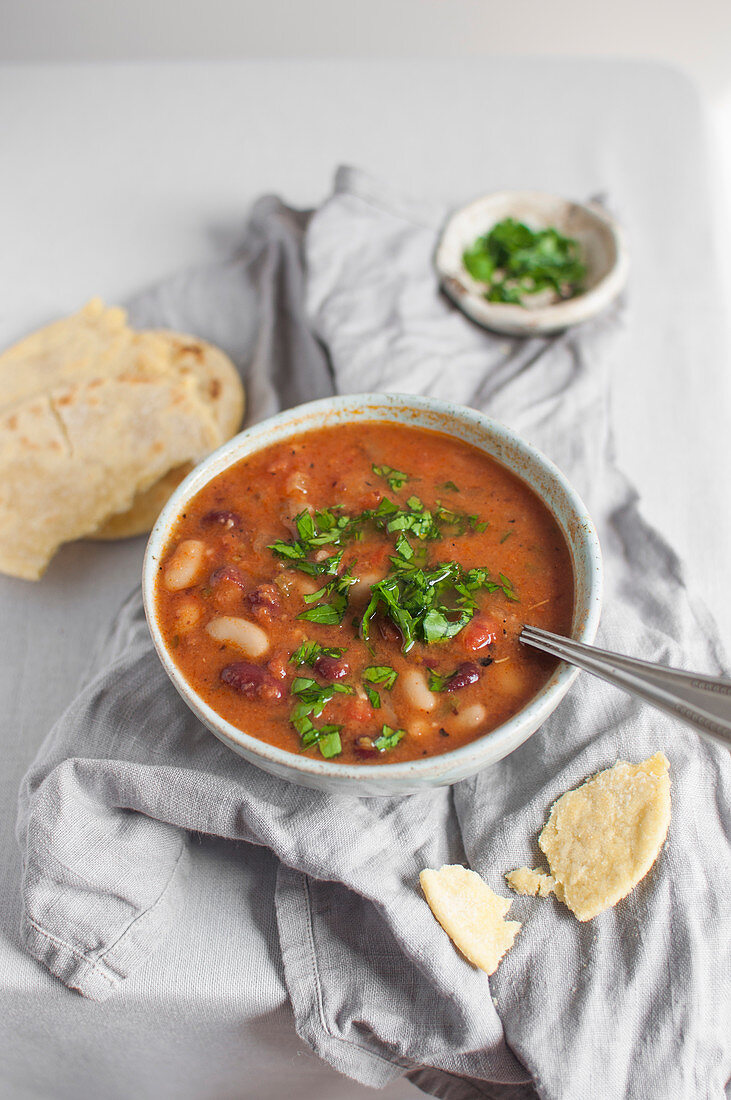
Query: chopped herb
(381, 674)
(313, 698)
(329, 743)
(327, 738)
(513, 261)
(308, 653)
(293, 551)
(507, 587)
(373, 696)
(389, 738)
(429, 605)
(396, 478)
(450, 486)
(329, 613)
(438, 682)
(506, 536)
(404, 548)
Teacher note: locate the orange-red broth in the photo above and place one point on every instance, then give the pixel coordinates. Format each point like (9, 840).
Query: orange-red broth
(218, 567)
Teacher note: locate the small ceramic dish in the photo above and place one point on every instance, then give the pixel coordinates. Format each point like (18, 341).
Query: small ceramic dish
(462, 423)
(603, 250)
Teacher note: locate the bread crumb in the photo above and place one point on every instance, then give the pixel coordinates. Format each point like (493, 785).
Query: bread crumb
(531, 883)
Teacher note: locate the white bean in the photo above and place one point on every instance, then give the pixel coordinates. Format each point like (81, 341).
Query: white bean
(246, 636)
(416, 690)
(185, 565)
(187, 613)
(507, 677)
(418, 727)
(362, 586)
(297, 484)
(467, 720)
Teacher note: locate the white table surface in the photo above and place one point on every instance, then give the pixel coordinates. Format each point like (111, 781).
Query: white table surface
(113, 176)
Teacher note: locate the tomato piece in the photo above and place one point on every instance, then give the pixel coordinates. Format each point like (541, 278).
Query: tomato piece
(480, 632)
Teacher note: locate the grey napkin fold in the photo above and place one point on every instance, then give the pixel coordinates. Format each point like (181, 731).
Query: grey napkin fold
(633, 1004)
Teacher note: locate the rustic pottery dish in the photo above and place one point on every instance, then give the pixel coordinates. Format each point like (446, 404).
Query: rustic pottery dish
(461, 423)
(602, 244)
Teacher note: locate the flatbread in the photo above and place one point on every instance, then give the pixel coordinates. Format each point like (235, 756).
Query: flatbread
(471, 914)
(602, 839)
(72, 404)
(95, 342)
(146, 506)
(219, 388)
(70, 458)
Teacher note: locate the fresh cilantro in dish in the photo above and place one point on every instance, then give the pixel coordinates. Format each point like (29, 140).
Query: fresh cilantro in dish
(374, 697)
(381, 674)
(429, 604)
(312, 700)
(335, 601)
(389, 738)
(396, 478)
(513, 261)
(438, 681)
(308, 653)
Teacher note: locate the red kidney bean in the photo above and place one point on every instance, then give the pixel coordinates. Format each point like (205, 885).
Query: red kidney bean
(365, 746)
(224, 519)
(264, 603)
(230, 573)
(252, 681)
(467, 673)
(331, 668)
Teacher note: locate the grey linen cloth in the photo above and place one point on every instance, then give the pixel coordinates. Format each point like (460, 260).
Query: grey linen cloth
(632, 1004)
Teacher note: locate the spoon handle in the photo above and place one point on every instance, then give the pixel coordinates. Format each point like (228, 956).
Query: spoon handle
(702, 701)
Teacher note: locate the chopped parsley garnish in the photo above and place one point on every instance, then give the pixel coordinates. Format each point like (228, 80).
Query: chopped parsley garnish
(505, 537)
(381, 674)
(429, 605)
(327, 739)
(449, 486)
(507, 588)
(513, 261)
(323, 528)
(373, 697)
(389, 738)
(438, 682)
(396, 478)
(308, 653)
(335, 597)
(312, 700)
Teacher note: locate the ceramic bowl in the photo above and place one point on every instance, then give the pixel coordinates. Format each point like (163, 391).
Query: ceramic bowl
(602, 244)
(495, 440)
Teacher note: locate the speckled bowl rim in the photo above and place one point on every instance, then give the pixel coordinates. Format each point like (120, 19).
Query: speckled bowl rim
(427, 412)
(515, 320)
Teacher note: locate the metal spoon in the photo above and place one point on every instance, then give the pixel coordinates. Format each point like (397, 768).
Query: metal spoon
(702, 701)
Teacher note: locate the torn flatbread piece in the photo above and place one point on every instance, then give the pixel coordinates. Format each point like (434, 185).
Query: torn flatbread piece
(531, 883)
(69, 459)
(602, 838)
(98, 424)
(471, 914)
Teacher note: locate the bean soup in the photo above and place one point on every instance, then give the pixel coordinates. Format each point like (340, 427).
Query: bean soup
(358, 591)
